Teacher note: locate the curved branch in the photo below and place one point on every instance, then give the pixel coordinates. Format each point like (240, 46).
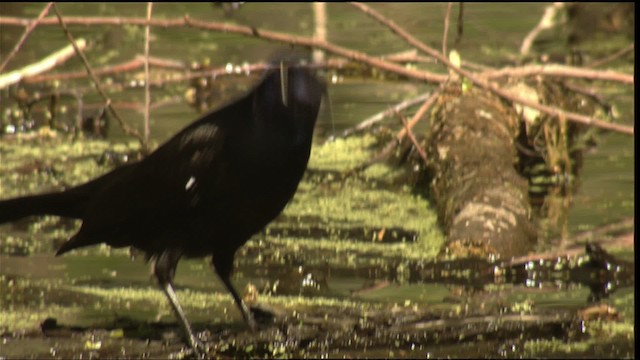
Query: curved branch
(127, 66)
(485, 84)
(246, 31)
(25, 35)
(344, 52)
(374, 119)
(44, 65)
(618, 54)
(560, 71)
(126, 128)
(319, 44)
(546, 22)
(445, 32)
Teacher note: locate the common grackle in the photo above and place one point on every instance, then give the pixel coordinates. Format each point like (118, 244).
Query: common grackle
(205, 191)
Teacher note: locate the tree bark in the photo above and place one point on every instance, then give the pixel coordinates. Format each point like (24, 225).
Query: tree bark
(482, 201)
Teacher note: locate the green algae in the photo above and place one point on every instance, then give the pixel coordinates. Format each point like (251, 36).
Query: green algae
(370, 201)
(342, 154)
(359, 202)
(197, 300)
(24, 304)
(29, 318)
(604, 338)
(32, 164)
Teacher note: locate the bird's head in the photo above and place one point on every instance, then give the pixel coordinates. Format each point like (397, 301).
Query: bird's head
(290, 96)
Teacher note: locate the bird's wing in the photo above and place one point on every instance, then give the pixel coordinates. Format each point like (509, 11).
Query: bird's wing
(152, 199)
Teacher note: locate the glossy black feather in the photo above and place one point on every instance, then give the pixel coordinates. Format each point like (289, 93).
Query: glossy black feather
(203, 192)
(209, 188)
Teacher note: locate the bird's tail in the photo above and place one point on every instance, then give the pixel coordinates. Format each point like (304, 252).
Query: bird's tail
(68, 203)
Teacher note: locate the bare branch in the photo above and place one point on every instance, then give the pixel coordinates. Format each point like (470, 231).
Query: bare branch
(413, 139)
(618, 54)
(401, 134)
(546, 22)
(130, 65)
(420, 113)
(147, 90)
(604, 235)
(560, 71)
(445, 33)
(374, 119)
(347, 53)
(485, 84)
(320, 28)
(246, 31)
(44, 65)
(128, 130)
(25, 35)
(399, 31)
(309, 42)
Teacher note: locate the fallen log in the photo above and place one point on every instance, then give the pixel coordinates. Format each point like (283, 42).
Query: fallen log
(482, 201)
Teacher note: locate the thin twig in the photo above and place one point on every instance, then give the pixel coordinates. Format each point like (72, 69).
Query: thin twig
(25, 35)
(445, 33)
(407, 56)
(354, 55)
(138, 62)
(605, 235)
(215, 73)
(374, 119)
(147, 90)
(618, 54)
(546, 22)
(127, 66)
(320, 28)
(411, 56)
(589, 92)
(421, 112)
(413, 139)
(475, 66)
(44, 65)
(485, 84)
(106, 70)
(400, 31)
(460, 23)
(246, 31)
(560, 71)
(128, 130)
(246, 69)
(327, 46)
(384, 153)
(577, 243)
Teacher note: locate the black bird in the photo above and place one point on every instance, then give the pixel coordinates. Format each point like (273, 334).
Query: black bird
(204, 192)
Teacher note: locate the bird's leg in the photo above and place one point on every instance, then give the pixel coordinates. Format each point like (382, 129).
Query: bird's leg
(223, 266)
(164, 269)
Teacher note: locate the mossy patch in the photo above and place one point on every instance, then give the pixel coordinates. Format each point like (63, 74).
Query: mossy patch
(45, 162)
